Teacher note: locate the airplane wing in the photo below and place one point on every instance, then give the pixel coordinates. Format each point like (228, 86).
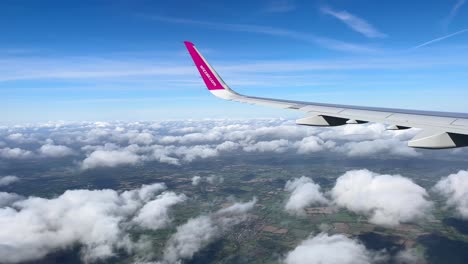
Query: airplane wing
(439, 129)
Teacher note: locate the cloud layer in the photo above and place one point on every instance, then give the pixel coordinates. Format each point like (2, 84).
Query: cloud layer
(103, 144)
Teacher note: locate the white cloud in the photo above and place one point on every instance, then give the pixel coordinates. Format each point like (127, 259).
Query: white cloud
(455, 189)
(94, 219)
(377, 146)
(155, 214)
(190, 238)
(112, 144)
(55, 151)
(368, 140)
(277, 145)
(409, 256)
(214, 179)
(144, 138)
(146, 192)
(7, 180)
(304, 193)
(15, 153)
(196, 180)
(386, 199)
(277, 32)
(199, 232)
(228, 146)
(161, 154)
(193, 138)
(326, 249)
(360, 132)
(236, 210)
(18, 137)
(8, 198)
(453, 12)
(356, 23)
(109, 158)
(196, 152)
(313, 144)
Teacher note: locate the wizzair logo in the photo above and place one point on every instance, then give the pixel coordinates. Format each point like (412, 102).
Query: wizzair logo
(207, 75)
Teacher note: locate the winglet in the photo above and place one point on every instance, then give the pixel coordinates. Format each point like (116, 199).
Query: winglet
(209, 75)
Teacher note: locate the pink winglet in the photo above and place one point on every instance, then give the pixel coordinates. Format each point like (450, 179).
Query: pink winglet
(208, 76)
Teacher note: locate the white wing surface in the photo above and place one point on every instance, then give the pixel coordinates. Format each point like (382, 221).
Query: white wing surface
(439, 129)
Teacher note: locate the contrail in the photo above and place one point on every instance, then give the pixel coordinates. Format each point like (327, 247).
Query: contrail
(441, 38)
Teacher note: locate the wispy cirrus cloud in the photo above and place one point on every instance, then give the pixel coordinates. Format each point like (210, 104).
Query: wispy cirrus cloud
(453, 12)
(280, 6)
(324, 42)
(457, 7)
(440, 38)
(355, 23)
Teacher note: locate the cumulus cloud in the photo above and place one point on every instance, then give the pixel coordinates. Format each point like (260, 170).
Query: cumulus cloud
(155, 214)
(55, 151)
(455, 189)
(199, 232)
(8, 198)
(386, 199)
(143, 138)
(313, 144)
(304, 193)
(190, 238)
(228, 146)
(7, 180)
(146, 192)
(196, 180)
(213, 179)
(409, 256)
(377, 146)
(365, 132)
(14, 153)
(16, 137)
(196, 152)
(109, 158)
(326, 249)
(94, 219)
(277, 145)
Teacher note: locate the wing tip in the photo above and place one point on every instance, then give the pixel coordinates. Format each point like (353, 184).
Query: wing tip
(188, 44)
(209, 76)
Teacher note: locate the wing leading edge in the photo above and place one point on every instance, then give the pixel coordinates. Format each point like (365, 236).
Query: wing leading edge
(439, 129)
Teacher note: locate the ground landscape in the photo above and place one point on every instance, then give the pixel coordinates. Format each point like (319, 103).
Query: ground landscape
(228, 191)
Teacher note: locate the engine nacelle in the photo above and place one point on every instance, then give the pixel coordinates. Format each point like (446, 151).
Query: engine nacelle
(321, 120)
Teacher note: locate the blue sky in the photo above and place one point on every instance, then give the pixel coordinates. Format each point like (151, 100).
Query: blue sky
(125, 60)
